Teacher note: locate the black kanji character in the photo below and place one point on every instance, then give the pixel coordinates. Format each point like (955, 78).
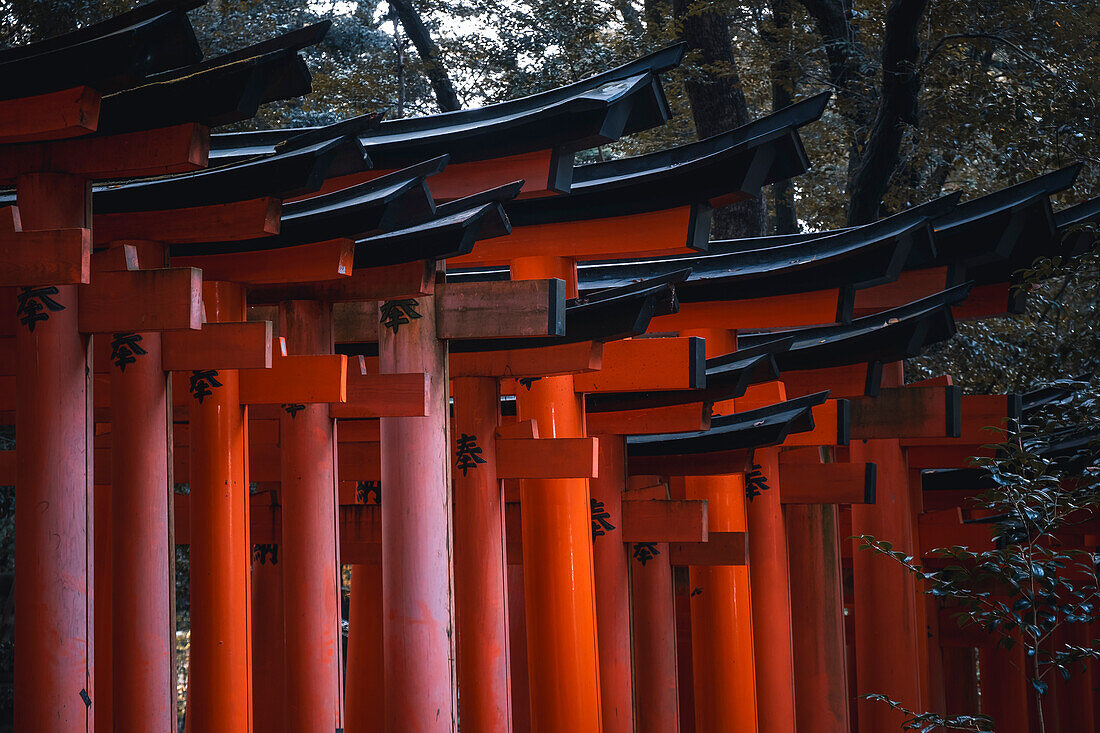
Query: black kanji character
(260, 553)
(469, 454)
(600, 525)
(202, 380)
(528, 381)
(33, 304)
(294, 409)
(755, 482)
(696, 592)
(365, 488)
(125, 347)
(394, 313)
(644, 551)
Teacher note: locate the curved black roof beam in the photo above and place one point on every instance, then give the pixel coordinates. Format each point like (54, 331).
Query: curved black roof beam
(216, 92)
(726, 377)
(892, 335)
(616, 316)
(389, 202)
(563, 107)
(995, 235)
(107, 61)
(286, 175)
(739, 161)
(1070, 221)
(750, 429)
(105, 27)
(991, 236)
(447, 236)
(853, 258)
(613, 314)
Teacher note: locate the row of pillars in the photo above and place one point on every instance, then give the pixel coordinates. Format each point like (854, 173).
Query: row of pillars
(584, 668)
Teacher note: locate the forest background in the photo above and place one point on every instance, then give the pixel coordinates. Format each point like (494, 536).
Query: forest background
(929, 97)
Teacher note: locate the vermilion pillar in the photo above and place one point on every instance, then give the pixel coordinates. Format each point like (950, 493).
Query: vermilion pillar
(723, 663)
(654, 615)
(771, 601)
(417, 592)
(53, 494)
(144, 645)
(886, 631)
(268, 648)
(721, 618)
(517, 651)
(220, 693)
(562, 652)
(104, 617)
(309, 550)
(481, 598)
(817, 611)
(613, 591)
(366, 685)
(1004, 687)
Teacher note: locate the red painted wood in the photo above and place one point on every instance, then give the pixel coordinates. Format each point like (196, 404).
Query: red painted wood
(144, 650)
(52, 116)
(888, 659)
(771, 601)
(817, 612)
(1004, 688)
(365, 682)
(517, 648)
(557, 554)
(417, 592)
(609, 555)
(481, 598)
(654, 616)
(309, 553)
(268, 648)
(220, 693)
(53, 501)
(102, 695)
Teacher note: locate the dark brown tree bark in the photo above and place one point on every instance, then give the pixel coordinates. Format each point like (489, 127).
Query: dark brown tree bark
(632, 19)
(444, 89)
(717, 100)
(898, 110)
(655, 12)
(849, 71)
(781, 70)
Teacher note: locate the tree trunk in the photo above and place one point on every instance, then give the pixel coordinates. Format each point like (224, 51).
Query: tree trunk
(717, 101)
(445, 95)
(632, 19)
(655, 13)
(783, 88)
(856, 96)
(898, 109)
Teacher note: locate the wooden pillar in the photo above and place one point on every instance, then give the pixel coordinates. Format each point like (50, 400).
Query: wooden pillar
(1005, 689)
(268, 647)
(310, 549)
(721, 618)
(104, 618)
(817, 605)
(613, 591)
(517, 651)
(654, 614)
(365, 693)
(559, 590)
(685, 671)
(481, 597)
(417, 591)
(220, 680)
(53, 495)
(144, 558)
(771, 601)
(960, 672)
(888, 658)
